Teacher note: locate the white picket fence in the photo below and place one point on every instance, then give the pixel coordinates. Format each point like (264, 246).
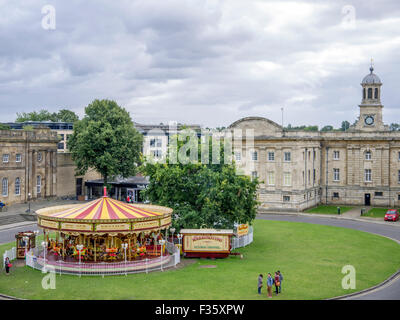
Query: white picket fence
(11, 254)
(239, 242)
(34, 259)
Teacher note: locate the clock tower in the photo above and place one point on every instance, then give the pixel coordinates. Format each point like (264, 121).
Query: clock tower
(371, 107)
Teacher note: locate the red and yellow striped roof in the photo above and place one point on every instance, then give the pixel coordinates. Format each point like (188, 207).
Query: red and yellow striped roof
(105, 208)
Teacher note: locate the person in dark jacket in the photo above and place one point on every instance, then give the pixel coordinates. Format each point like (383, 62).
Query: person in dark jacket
(7, 263)
(276, 282)
(280, 281)
(260, 283)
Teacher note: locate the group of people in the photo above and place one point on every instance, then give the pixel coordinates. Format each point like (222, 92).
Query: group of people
(276, 280)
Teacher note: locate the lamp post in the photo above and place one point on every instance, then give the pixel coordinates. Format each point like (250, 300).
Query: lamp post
(125, 246)
(79, 247)
(162, 241)
(180, 238)
(36, 232)
(44, 245)
(172, 231)
(29, 203)
(26, 241)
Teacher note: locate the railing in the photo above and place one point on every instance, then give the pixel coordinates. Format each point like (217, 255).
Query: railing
(35, 260)
(10, 254)
(239, 242)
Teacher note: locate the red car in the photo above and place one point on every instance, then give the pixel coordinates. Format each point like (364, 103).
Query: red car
(392, 215)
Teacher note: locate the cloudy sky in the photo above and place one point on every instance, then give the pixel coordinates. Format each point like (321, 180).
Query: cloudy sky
(200, 62)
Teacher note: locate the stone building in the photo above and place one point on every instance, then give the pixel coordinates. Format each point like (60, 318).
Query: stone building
(301, 169)
(28, 167)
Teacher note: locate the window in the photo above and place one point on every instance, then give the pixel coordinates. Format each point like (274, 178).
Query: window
(368, 175)
(309, 155)
(309, 176)
(39, 156)
(378, 194)
(336, 176)
(336, 194)
(254, 156)
(238, 156)
(369, 93)
(376, 93)
(368, 155)
(286, 198)
(271, 156)
(287, 179)
(17, 186)
(398, 197)
(157, 153)
(399, 176)
(399, 156)
(271, 178)
(156, 143)
(60, 146)
(6, 158)
(336, 155)
(152, 142)
(314, 154)
(314, 175)
(4, 187)
(254, 174)
(303, 178)
(18, 157)
(287, 156)
(364, 96)
(62, 136)
(38, 184)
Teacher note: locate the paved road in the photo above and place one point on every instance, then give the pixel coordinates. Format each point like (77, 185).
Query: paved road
(389, 292)
(8, 235)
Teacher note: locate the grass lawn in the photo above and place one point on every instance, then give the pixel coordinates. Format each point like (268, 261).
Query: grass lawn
(309, 256)
(376, 212)
(328, 209)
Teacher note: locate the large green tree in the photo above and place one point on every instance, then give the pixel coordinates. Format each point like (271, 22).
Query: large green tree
(106, 139)
(202, 194)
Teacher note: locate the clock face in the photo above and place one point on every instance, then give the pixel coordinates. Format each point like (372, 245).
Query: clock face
(369, 120)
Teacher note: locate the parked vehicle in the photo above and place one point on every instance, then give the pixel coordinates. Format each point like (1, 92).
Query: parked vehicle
(392, 215)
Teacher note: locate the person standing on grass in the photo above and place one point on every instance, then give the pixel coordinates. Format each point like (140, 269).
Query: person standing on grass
(260, 283)
(277, 283)
(270, 282)
(8, 264)
(280, 281)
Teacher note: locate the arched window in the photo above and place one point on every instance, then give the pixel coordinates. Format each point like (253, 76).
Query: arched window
(369, 93)
(364, 95)
(38, 184)
(4, 186)
(376, 93)
(17, 186)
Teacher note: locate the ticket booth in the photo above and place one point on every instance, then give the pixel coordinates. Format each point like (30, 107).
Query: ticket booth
(23, 244)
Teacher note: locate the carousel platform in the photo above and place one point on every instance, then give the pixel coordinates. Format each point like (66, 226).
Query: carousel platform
(71, 266)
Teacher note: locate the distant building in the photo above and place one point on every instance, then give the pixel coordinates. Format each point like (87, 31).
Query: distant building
(300, 169)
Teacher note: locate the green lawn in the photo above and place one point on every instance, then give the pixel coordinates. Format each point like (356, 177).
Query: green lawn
(376, 212)
(328, 209)
(309, 256)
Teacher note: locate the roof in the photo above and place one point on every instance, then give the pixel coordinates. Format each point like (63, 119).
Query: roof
(104, 208)
(121, 181)
(371, 78)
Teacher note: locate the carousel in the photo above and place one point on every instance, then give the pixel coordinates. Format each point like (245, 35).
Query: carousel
(102, 234)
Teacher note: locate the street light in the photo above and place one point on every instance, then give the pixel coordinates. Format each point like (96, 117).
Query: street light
(172, 231)
(180, 238)
(125, 246)
(79, 247)
(29, 203)
(44, 245)
(162, 241)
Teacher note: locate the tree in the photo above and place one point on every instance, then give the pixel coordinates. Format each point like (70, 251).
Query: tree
(202, 195)
(327, 128)
(106, 139)
(394, 127)
(4, 127)
(65, 115)
(345, 125)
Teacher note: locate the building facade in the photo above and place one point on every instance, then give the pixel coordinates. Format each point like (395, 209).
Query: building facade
(28, 167)
(301, 169)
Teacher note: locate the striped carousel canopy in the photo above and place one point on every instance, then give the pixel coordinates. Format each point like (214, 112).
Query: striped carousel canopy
(105, 208)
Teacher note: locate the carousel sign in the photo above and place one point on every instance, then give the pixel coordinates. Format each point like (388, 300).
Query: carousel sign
(113, 227)
(49, 224)
(242, 229)
(146, 225)
(76, 226)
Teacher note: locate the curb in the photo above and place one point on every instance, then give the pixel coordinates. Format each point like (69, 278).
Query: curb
(9, 297)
